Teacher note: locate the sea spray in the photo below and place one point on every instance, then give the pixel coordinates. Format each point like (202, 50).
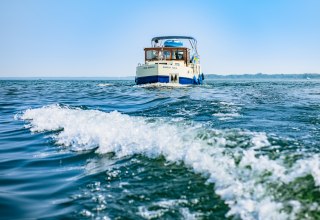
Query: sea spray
(231, 159)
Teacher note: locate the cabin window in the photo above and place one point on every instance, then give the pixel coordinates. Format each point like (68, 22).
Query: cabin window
(167, 54)
(158, 55)
(152, 55)
(178, 55)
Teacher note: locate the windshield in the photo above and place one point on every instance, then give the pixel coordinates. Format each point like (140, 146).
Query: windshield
(166, 54)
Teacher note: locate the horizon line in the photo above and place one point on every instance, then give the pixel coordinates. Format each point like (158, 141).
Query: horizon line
(231, 74)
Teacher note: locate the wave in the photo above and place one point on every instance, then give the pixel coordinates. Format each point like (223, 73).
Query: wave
(248, 180)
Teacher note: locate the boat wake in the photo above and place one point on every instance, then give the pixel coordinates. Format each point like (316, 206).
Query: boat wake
(162, 85)
(248, 171)
(104, 84)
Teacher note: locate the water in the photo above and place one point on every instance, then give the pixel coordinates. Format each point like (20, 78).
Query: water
(230, 149)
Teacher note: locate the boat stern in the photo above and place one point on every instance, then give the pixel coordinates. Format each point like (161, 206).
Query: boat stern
(150, 74)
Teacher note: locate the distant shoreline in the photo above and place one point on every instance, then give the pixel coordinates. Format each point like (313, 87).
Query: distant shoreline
(265, 76)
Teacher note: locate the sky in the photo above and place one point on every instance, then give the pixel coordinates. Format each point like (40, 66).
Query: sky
(104, 38)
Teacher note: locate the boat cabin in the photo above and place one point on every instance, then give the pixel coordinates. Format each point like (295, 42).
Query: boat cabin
(167, 54)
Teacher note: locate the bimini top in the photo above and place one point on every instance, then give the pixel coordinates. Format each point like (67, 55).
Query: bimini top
(173, 37)
(192, 40)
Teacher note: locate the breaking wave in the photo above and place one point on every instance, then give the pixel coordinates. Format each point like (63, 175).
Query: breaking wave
(250, 181)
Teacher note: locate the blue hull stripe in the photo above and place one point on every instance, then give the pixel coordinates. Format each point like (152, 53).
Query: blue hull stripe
(164, 79)
(152, 79)
(183, 80)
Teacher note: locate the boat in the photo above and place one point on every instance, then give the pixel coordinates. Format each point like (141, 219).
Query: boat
(169, 60)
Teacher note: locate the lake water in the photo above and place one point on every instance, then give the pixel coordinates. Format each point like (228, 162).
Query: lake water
(98, 149)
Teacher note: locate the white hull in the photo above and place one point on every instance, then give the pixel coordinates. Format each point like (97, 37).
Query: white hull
(168, 72)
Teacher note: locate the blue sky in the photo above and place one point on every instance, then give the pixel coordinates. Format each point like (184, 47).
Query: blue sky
(106, 38)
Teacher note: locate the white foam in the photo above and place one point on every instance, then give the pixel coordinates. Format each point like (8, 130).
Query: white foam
(86, 213)
(170, 203)
(104, 84)
(160, 85)
(229, 110)
(227, 103)
(236, 172)
(147, 214)
(185, 212)
(158, 209)
(226, 116)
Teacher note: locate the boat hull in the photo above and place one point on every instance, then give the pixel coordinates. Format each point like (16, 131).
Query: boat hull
(147, 74)
(164, 79)
(152, 79)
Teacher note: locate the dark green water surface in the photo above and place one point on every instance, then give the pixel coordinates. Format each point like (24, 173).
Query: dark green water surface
(229, 149)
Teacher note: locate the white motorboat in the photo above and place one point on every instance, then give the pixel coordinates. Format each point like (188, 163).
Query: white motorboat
(168, 60)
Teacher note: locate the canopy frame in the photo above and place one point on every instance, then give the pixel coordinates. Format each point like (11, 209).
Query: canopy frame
(192, 40)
